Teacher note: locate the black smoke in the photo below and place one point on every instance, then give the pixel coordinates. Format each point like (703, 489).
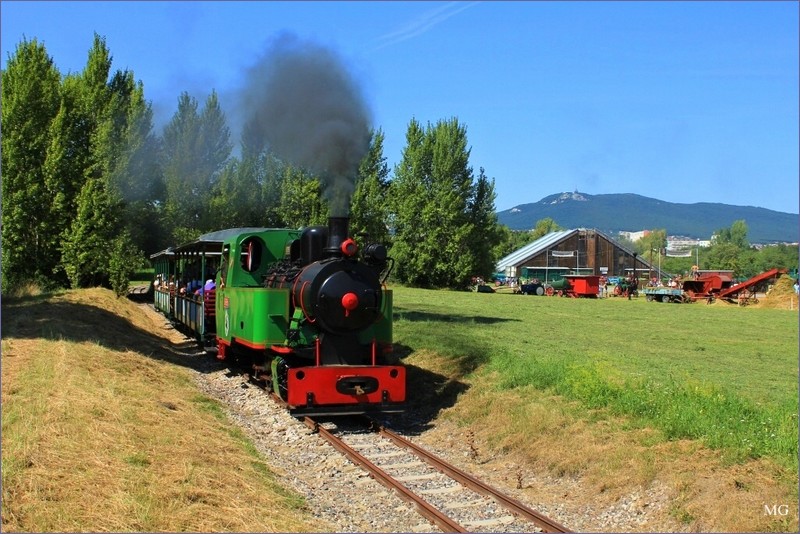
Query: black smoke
(305, 107)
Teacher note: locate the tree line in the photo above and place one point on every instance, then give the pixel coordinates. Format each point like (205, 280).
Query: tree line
(90, 189)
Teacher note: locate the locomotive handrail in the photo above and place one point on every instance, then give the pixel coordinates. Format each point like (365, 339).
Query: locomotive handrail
(302, 304)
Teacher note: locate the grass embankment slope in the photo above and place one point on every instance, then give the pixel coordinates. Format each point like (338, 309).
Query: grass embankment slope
(104, 430)
(701, 399)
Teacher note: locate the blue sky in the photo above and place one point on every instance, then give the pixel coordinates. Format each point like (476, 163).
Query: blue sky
(680, 101)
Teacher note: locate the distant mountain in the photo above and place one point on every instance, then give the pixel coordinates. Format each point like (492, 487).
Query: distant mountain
(629, 212)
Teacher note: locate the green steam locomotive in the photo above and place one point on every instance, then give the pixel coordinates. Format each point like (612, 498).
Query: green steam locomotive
(307, 310)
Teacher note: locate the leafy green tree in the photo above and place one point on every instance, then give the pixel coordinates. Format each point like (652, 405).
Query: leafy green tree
(747, 263)
(369, 209)
(85, 249)
(75, 133)
(97, 111)
(123, 261)
(485, 230)
(237, 199)
(114, 112)
(505, 241)
(68, 158)
(137, 178)
(654, 241)
(180, 139)
(736, 235)
(544, 227)
(272, 171)
(215, 151)
(196, 149)
(301, 200)
(724, 256)
(31, 99)
(776, 257)
(432, 195)
(729, 250)
(408, 192)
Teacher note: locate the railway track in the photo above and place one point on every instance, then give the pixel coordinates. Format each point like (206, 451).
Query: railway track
(452, 500)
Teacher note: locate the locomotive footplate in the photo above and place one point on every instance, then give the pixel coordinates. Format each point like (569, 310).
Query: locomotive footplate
(346, 387)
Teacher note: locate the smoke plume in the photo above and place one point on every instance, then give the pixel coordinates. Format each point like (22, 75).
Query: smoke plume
(305, 107)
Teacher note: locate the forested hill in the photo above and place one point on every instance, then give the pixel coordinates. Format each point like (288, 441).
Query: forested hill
(628, 212)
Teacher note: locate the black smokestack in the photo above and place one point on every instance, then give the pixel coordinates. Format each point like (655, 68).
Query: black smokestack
(310, 112)
(338, 228)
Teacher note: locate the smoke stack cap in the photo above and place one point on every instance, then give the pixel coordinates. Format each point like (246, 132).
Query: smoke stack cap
(349, 247)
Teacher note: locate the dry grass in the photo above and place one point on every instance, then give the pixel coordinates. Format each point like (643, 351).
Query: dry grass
(609, 461)
(101, 431)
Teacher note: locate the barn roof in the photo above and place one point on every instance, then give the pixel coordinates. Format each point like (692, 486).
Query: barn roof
(531, 249)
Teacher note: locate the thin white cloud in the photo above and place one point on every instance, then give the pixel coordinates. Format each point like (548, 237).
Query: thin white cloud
(423, 23)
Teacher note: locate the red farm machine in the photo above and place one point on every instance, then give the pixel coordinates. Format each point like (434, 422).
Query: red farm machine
(712, 285)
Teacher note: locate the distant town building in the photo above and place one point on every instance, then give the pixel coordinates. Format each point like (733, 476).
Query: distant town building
(684, 246)
(635, 236)
(677, 245)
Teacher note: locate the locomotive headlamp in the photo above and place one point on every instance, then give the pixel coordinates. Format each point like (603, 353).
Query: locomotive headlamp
(349, 303)
(349, 247)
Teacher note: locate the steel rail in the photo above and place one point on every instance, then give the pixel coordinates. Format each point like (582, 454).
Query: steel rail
(513, 505)
(425, 509)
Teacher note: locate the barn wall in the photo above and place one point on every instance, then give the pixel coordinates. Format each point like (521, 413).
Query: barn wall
(594, 251)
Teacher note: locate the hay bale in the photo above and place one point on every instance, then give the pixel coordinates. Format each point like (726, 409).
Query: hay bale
(782, 295)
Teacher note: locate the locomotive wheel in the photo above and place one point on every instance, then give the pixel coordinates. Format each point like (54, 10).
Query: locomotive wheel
(649, 298)
(549, 291)
(665, 298)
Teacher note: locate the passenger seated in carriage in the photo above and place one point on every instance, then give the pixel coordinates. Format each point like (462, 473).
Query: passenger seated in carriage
(209, 286)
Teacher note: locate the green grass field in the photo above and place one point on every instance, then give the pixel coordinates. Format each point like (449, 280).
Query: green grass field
(722, 374)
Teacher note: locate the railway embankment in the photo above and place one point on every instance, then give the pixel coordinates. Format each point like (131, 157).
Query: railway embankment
(104, 428)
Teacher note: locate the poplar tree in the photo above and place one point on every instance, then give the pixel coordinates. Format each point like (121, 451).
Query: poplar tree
(65, 168)
(30, 97)
(237, 197)
(438, 213)
(137, 178)
(369, 209)
(485, 241)
(408, 193)
(272, 171)
(96, 243)
(196, 149)
(86, 249)
(97, 98)
(215, 151)
(180, 140)
(301, 201)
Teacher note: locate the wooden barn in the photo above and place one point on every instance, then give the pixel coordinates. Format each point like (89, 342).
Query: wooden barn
(578, 251)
